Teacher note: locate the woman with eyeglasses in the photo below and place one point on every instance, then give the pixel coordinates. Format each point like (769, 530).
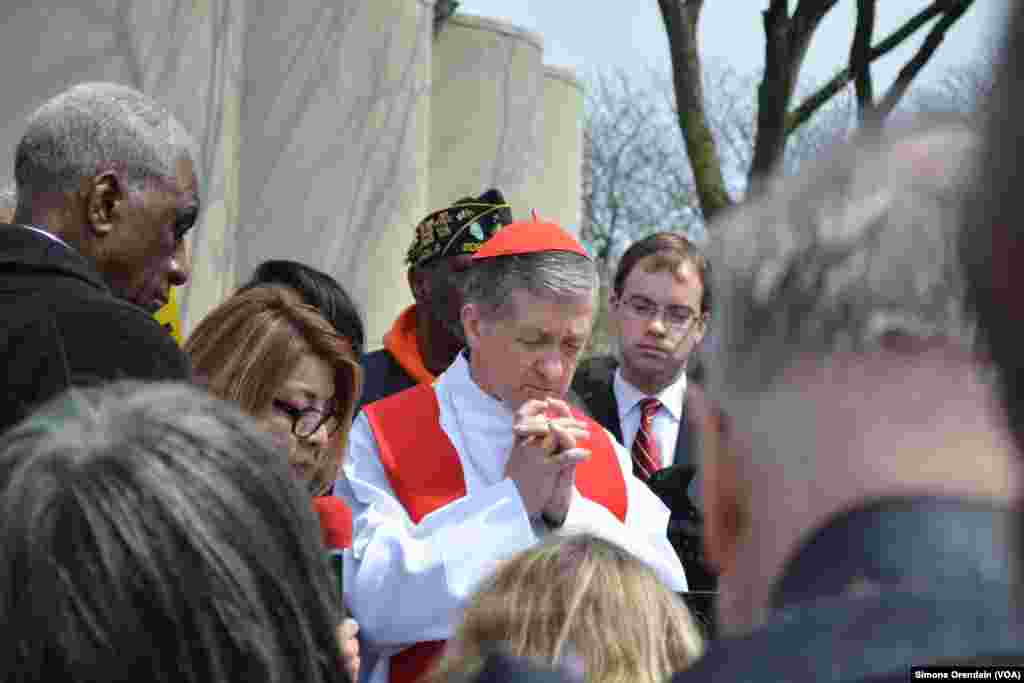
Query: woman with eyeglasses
(284, 364)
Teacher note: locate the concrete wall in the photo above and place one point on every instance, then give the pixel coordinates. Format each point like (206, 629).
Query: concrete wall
(488, 81)
(326, 129)
(336, 120)
(555, 185)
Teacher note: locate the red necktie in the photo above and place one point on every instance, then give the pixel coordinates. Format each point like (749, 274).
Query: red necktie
(646, 454)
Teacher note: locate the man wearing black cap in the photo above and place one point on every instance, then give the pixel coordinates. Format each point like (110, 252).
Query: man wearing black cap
(423, 340)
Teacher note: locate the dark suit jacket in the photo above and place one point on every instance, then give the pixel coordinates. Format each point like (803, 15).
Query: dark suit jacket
(382, 377)
(593, 384)
(502, 668)
(893, 584)
(62, 326)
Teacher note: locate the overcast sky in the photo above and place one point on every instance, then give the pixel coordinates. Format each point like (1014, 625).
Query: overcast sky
(594, 35)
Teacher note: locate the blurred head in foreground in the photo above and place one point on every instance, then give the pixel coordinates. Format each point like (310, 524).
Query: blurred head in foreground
(846, 364)
(577, 597)
(152, 533)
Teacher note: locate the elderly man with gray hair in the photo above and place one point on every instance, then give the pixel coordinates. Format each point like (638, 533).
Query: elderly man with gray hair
(106, 192)
(857, 474)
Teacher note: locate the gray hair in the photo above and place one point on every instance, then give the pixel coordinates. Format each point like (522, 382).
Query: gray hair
(856, 248)
(95, 127)
(555, 275)
(132, 509)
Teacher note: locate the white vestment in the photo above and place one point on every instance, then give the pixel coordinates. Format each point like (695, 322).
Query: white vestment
(406, 583)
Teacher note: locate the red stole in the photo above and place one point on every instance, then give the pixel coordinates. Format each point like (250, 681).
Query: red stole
(425, 472)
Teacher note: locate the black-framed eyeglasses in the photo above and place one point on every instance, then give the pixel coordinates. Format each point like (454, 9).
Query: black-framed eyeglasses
(676, 318)
(307, 421)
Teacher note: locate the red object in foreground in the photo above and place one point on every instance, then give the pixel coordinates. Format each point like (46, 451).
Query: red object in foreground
(335, 521)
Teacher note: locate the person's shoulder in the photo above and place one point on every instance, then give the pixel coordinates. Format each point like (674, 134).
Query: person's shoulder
(591, 387)
(854, 638)
(383, 376)
(502, 668)
(127, 335)
(594, 373)
(75, 302)
(377, 360)
(129, 318)
(602, 365)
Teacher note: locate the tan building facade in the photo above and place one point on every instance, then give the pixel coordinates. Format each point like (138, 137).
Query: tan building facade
(325, 130)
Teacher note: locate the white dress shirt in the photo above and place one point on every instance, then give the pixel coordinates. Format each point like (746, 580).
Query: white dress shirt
(406, 583)
(665, 426)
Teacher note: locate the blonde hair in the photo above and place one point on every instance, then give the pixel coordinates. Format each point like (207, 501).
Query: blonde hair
(246, 348)
(582, 596)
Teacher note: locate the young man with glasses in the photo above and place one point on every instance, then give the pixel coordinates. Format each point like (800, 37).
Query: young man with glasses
(659, 308)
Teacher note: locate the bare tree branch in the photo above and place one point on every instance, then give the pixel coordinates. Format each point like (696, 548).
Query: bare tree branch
(811, 104)
(786, 42)
(680, 18)
(788, 34)
(860, 59)
(931, 43)
(808, 15)
(774, 91)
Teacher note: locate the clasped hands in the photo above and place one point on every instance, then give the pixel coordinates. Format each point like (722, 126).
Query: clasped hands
(544, 456)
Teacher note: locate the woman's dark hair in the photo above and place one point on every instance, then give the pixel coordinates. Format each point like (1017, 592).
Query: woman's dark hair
(319, 290)
(153, 533)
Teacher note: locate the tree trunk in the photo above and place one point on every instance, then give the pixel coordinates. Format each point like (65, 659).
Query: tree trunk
(786, 42)
(772, 94)
(681, 17)
(860, 61)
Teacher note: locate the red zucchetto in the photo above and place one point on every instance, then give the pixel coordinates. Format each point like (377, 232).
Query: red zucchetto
(529, 237)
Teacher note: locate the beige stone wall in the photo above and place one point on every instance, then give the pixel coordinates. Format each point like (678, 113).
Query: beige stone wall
(325, 130)
(337, 108)
(214, 115)
(488, 81)
(554, 186)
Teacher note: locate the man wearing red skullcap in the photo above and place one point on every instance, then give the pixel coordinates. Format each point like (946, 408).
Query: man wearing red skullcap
(446, 480)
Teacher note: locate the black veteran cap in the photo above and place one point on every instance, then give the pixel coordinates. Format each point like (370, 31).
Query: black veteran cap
(460, 229)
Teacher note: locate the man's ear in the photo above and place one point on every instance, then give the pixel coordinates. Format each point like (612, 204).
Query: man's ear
(724, 502)
(104, 193)
(612, 298)
(417, 284)
(702, 328)
(725, 516)
(472, 324)
(613, 316)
